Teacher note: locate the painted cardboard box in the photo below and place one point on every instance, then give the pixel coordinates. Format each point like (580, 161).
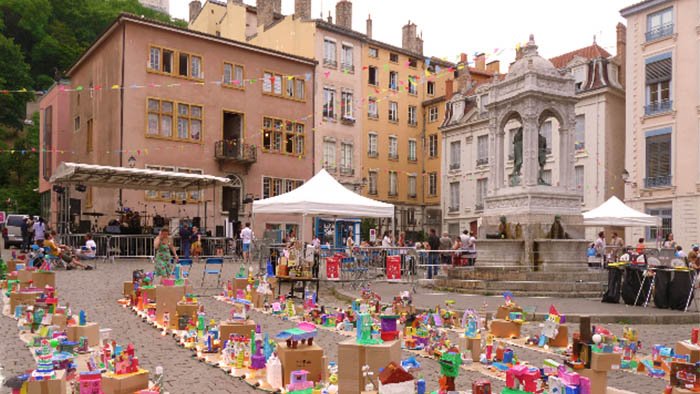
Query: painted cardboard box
(49, 386)
(235, 327)
(604, 362)
(504, 329)
(90, 330)
(352, 356)
(684, 347)
(22, 298)
(308, 358)
(599, 379)
(44, 278)
(472, 345)
(128, 289)
(167, 298)
(504, 311)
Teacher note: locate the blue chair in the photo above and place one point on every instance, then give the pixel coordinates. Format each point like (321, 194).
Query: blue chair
(185, 263)
(55, 261)
(216, 261)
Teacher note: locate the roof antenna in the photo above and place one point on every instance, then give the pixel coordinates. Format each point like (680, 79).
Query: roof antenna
(321, 9)
(594, 43)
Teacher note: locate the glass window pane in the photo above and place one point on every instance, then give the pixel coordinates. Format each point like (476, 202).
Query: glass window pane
(239, 75)
(183, 109)
(300, 89)
(182, 127)
(166, 126)
(278, 84)
(228, 74)
(167, 61)
(154, 62)
(166, 107)
(153, 124)
(196, 111)
(196, 129)
(196, 67)
(153, 105)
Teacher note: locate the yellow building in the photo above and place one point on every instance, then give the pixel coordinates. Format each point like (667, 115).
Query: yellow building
(377, 106)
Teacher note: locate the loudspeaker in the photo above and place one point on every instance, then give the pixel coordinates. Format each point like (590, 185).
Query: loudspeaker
(158, 221)
(75, 206)
(196, 222)
(219, 231)
(84, 226)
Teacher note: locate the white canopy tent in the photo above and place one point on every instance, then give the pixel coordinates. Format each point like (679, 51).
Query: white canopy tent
(615, 213)
(323, 195)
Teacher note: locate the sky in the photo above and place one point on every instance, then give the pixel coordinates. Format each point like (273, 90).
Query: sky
(451, 27)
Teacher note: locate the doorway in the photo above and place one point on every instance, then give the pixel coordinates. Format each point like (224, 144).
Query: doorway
(233, 134)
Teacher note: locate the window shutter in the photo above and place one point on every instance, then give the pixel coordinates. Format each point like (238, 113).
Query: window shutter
(659, 71)
(659, 155)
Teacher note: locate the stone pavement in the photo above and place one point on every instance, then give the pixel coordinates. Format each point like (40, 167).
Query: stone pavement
(571, 307)
(96, 292)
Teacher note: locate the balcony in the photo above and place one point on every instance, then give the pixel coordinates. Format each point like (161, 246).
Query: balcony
(237, 153)
(454, 166)
(347, 67)
(658, 107)
(579, 146)
(349, 171)
(479, 206)
(347, 121)
(393, 194)
(329, 167)
(412, 195)
(412, 123)
(373, 191)
(659, 32)
(372, 153)
(330, 62)
(372, 115)
(657, 181)
(393, 156)
(452, 208)
(482, 162)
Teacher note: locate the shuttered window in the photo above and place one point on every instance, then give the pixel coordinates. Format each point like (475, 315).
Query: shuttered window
(658, 159)
(659, 71)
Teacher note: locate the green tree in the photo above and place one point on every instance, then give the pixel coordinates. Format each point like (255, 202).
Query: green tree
(14, 75)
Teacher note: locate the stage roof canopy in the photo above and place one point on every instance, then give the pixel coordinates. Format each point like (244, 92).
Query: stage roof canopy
(615, 213)
(131, 178)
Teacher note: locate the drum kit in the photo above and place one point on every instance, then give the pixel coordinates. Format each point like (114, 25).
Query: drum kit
(129, 221)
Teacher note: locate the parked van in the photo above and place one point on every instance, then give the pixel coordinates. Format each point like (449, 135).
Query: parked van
(12, 232)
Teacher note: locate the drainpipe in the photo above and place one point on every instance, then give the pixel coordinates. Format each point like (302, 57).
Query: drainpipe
(313, 125)
(121, 108)
(422, 163)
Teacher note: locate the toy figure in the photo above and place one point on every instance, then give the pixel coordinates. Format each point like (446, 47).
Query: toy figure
(274, 372)
(450, 363)
(364, 330)
(367, 374)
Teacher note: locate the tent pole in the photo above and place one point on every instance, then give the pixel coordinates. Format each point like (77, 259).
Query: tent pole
(214, 209)
(393, 224)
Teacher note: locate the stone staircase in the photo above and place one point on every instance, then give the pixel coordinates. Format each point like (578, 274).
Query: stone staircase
(493, 281)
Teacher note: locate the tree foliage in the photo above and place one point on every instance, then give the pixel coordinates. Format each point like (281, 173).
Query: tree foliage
(39, 40)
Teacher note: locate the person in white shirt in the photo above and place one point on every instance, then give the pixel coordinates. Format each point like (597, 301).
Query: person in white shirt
(246, 238)
(386, 241)
(599, 247)
(89, 249)
(39, 228)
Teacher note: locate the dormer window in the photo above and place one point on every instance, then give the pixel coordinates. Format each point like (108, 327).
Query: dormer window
(579, 77)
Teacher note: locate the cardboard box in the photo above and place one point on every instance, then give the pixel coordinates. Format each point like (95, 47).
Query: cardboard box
(59, 320)
(124, 384)
(685, 347)
(90, 330)
(235, 327)
(183, 308)
(22, 298)
(12, 264)
(352, 356)
(44, 278)
(562, 338)
(128, 289)
(599, 379)
(504, 329)
(24, 278)
(309, 358)
(604, 362)
(167, 298)
(50, 386)
(239, 283)
(504, 311)
(150, 293)
(678, 390)
(472, 345)
(408, 309)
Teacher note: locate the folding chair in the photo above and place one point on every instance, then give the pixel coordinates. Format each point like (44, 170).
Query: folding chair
(84, 256)
(55, 261)
(185, 263)
(217, 261)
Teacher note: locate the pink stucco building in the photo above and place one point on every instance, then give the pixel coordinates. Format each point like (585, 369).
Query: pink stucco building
(154, 96)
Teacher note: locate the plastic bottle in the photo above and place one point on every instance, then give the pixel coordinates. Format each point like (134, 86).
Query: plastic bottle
(421, 385)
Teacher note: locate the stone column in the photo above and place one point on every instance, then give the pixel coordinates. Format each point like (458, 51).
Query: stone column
(531, 165)
(494, 162)
(565, 151)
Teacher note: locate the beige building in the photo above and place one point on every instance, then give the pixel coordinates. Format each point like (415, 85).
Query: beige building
(662, 160)
(599, 129)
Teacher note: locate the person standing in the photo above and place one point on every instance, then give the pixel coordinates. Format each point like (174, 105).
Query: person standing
(24, 228)
(434, 243)
(618, 243)
(196, 240)
(445, 244)
(471, 249)
(386, 241)
(599, 247)
(669, 242)
(39, 229)
(185, 240)
(246, 239)
(165, 251)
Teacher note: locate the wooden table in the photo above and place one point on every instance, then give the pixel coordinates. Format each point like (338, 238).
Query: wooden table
(292, 281)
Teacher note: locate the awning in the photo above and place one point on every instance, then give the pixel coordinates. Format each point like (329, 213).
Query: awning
(615, 213)
(131, 178)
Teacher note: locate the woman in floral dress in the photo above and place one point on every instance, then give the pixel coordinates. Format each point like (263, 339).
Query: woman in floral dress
(164, 252)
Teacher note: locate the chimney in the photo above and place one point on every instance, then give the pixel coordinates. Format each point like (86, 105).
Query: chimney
(408, 36)
(449, 88)
(418, 47)
(302, 9)
(462, 76)
(265, 10)
(330, 18)
(195, 7)
(480, 62)
(369, 26)
(343, 14)
(622, 51)
(463, 58)
(494, 67)
(277, 6)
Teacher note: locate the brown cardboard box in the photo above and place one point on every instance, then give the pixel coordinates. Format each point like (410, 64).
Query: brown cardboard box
(562, 338)
(239, 283)
(599, 379)
(685, 347)
(150, 293)
(235, 327)
(183, 308)
(90, 330)
(59, 320)
(43, 278)
(259, 300)
(24, 278)
(678, 390)
(12, 264)
(22, 298)
(305, 357)
(128, 289)
(124, 384)
(504, 329)
(167, 298)
(409, 310)
(504, 311)
(472, 345)
(50, 386)
(604, 362)
(352, 356)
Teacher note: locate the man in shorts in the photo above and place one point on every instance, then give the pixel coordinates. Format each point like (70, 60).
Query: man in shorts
(63, 252)
(246, 238)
